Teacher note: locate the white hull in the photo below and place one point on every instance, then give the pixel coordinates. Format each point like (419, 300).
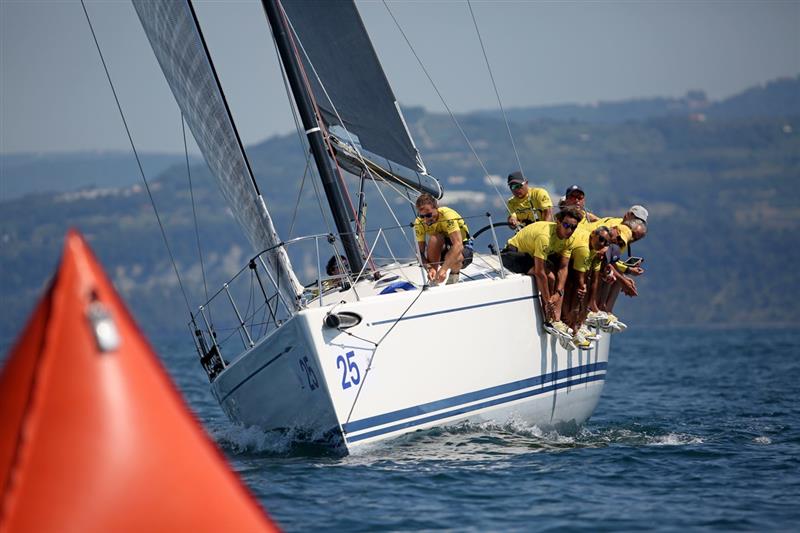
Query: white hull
(471, 351)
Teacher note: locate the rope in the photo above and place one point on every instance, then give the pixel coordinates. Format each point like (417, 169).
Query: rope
(444, 103)
(375, 352)
(496, 92)
(194, 215)
(138, 160)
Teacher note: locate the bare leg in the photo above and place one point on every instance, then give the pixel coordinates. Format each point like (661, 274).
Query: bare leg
(433, 251)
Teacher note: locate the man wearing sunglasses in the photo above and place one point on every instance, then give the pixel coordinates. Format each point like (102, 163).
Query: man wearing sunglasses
(630, 228)
(528, 204)
(543, 250)
(583, 281)
(446, 234)
(575, 197)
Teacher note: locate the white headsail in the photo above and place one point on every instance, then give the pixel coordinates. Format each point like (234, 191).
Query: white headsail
(171, 27)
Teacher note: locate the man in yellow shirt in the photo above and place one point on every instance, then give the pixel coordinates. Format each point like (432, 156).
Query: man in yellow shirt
(624, 231)
(528, 204)
(575, 197)
(446, 234)
(583, 281)
(543, 250)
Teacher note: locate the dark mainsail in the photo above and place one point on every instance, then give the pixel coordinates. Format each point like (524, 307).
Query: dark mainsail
(335, 48)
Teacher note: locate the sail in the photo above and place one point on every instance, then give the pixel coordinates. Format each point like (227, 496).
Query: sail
(175, 37)
(352, 92)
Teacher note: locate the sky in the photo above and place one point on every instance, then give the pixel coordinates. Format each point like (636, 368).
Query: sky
(55, 97)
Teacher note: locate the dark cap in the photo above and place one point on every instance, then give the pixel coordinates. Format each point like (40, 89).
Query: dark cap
(574, 188)
(516, 177)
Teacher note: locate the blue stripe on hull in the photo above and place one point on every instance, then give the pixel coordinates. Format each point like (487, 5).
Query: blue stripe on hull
(472, 408)
(461, 399)
(454, 310)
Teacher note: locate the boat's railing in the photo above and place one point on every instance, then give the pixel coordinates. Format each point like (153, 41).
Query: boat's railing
(250, 305)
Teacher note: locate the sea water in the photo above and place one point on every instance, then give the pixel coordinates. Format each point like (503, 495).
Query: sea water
(696, 429)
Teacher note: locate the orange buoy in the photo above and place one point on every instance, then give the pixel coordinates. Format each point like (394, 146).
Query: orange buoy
(94, 435)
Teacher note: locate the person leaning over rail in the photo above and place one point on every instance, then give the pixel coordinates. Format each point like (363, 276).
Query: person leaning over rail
(630, 228)
(447, 237)
(583, 281)
(543, 250)
(528, 204)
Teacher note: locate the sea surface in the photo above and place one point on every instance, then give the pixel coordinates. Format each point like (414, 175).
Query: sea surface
(696, 429)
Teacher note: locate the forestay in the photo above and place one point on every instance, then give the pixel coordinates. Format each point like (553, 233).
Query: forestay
(171, 27)
(351, 89)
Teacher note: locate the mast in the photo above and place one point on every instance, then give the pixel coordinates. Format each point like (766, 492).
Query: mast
(302, 98)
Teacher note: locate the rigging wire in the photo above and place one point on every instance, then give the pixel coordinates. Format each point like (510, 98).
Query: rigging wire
(447, 107)
(194, 214)
(352, 143)
(138, 160)
(299, 197)
(295, 40)
(299, 130)
(494, 84)
(375, 352)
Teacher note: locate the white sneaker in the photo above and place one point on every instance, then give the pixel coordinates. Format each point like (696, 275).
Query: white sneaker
(589, 334)
(558, 329)
(596, 318)
(614, 325)
(452, 278)
(566, 342)
(581, 342)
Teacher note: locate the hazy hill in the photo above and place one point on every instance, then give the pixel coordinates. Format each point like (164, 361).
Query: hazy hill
(722, 193)
(26, 173)
(777, 98)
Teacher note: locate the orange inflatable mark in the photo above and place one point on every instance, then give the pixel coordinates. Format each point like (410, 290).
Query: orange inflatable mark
(94, 435)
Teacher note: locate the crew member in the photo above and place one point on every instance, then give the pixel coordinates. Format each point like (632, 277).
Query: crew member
(528, 204)
(543, 250)
(447, 237)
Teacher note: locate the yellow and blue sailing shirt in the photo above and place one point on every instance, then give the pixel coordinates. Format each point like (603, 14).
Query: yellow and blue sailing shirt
(448, 222)
(624, 231)
(530, 208)
(541, 240)
(583, 258)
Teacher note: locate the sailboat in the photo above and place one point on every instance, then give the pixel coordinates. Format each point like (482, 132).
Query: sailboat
(374, 351)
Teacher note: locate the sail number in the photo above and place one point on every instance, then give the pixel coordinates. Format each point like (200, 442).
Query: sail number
(308, 369)
(350, 373)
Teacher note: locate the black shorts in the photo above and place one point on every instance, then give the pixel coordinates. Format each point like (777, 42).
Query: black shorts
(516, 261)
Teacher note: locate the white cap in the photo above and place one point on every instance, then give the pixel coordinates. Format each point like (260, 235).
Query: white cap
(639, 212)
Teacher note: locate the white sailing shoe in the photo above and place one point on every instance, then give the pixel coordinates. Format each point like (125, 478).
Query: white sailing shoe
(581, 342)
(614, 325)
(558, 329)
(589, 334)
(596, 318)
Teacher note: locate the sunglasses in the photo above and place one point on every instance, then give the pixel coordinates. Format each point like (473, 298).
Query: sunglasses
(566, 225)
(515, 186)
(426, 215)
(602, 240)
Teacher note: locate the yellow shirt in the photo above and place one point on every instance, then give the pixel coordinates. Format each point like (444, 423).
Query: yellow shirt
(524, 208)
(448, 222)
(540, 240)
(624, 231)
(584, 258)
(584, 223)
